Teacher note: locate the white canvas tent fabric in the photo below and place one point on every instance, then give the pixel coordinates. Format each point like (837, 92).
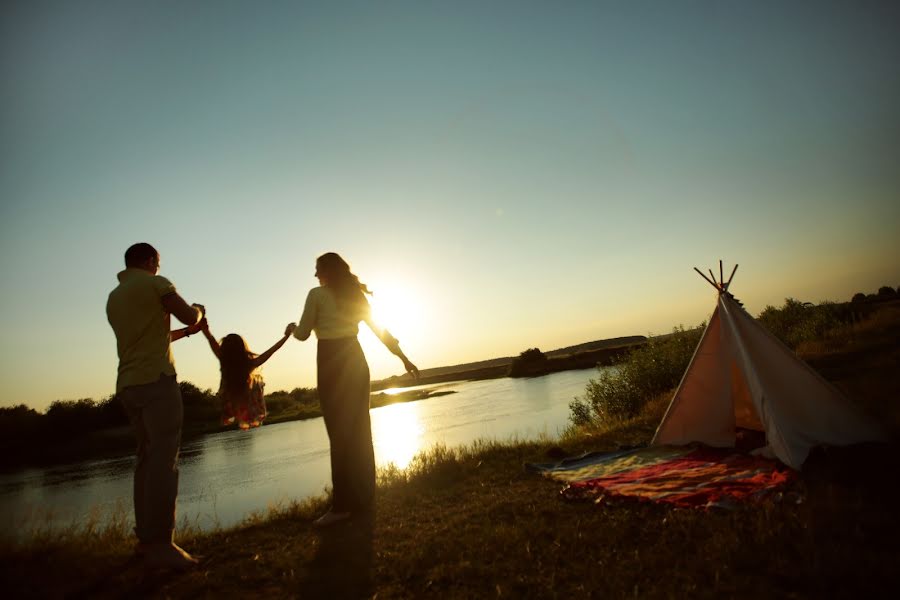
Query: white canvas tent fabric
(743, 376)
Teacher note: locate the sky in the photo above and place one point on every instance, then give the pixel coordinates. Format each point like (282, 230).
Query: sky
(503, 175)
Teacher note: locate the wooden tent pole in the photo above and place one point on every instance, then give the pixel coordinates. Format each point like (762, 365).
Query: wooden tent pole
(721, 278)
(706, 278)
(713, 275)
(731, 277)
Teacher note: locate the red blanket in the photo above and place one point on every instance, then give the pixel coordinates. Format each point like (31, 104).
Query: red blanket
(699, 478)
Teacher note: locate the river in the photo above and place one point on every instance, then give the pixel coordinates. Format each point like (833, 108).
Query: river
(226, 476)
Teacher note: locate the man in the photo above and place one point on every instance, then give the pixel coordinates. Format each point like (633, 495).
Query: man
(139, 312)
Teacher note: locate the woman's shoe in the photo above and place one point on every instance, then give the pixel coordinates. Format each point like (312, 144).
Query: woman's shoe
(330, 518)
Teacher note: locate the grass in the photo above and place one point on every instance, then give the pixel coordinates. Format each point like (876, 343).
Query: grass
(470, 523)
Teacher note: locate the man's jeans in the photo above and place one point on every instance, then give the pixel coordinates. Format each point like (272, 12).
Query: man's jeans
(156, 413)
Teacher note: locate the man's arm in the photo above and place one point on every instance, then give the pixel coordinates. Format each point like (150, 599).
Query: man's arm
(175, 305)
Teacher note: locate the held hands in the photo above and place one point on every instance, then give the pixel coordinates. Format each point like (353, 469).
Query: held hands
(290, 328)
(200, 325)
(201, 308)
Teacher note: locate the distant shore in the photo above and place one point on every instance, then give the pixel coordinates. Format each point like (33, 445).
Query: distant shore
(582, 356)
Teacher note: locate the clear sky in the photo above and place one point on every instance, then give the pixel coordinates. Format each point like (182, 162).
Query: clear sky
(502, 174)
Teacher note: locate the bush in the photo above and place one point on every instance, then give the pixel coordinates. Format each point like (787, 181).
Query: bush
(797, 322)
(201, 407)
(620, 393)
(298, 400)
(111, 413)
(305, 396)
(858, 297)
(19, 423)
(70, 418)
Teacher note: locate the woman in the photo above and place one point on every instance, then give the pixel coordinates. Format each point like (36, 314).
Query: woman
(334, 311)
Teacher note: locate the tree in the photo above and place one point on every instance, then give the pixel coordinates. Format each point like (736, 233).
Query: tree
(858, 297)
(111, 412)
(529, 362)
(886, 293)
(66, 419)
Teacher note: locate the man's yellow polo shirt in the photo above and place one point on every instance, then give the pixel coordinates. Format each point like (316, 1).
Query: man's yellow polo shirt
(141, 324)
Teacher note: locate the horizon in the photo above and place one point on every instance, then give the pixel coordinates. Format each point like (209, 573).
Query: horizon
(374, 343)
(502, 176)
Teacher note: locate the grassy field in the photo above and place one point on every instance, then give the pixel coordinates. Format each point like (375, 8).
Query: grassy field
(472, 523)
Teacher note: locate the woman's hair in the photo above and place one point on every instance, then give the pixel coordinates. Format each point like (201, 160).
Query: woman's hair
(235, 361)
(348, 291)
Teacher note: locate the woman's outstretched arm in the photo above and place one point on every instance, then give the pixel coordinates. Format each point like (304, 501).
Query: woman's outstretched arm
(213, 344)
(259, 360)
(391, 343)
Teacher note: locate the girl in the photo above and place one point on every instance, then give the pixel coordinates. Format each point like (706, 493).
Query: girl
(333, 310)
(241, 389)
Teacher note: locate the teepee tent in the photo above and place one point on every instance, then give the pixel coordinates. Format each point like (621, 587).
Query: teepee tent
(743, 376)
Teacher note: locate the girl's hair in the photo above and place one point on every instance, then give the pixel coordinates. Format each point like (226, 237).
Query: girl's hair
(235, 361)
(348, 291)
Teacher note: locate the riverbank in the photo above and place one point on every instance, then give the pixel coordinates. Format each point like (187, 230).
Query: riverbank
(471, 523)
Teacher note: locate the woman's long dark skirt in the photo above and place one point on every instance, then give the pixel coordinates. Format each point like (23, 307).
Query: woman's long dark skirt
(343, 378)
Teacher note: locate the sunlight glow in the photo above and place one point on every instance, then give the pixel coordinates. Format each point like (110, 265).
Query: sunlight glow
(397, 434)
(398, 308)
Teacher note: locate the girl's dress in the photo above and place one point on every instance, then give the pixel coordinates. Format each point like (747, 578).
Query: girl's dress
(247, 409)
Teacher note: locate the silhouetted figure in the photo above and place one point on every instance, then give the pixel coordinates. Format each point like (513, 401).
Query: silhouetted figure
(334, 311)
(139, 312)
(241, 390)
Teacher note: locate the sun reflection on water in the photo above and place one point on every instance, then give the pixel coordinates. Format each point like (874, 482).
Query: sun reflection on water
(397, 434)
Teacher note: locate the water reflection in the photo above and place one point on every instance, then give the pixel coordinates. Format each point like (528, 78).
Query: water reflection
(397, 432)
(535, 391)
(238, 444)
(230, 474)
(394, 391)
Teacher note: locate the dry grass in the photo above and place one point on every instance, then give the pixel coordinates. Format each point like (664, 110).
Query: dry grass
(470, 523)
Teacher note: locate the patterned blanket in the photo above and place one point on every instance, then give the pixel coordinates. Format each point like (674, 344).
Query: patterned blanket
(684, 476)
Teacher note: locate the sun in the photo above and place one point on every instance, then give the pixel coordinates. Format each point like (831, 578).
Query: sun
(398, 308)
(403, 309)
